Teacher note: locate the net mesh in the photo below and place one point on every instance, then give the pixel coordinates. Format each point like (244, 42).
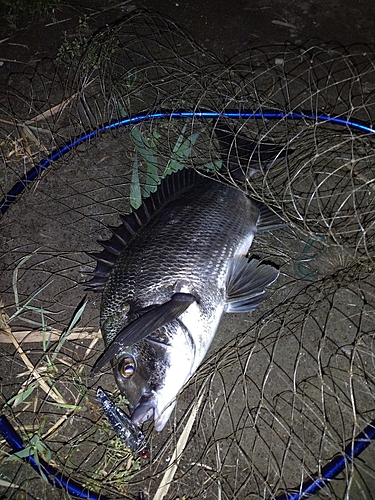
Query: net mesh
(285, 388)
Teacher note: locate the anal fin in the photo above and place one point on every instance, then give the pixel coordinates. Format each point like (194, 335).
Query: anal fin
(246, 283)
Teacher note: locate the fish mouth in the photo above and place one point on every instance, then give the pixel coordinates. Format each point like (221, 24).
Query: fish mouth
(147, 408)
(144, 410)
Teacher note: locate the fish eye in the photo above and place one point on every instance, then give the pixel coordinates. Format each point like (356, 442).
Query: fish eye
(126, 366)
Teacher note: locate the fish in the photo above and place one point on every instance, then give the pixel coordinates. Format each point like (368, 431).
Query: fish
(173, 268)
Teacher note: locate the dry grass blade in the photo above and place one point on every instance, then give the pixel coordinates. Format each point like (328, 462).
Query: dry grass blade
(35, 374)
(31, 336)
(54, 110)
(7, 484)
(6, 330)
(181, 444)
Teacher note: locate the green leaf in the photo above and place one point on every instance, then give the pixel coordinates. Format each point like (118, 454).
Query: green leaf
(26, 306)
(40, 447)
(19, 455)
(152, 180)
(22, 396)
(181, 152)
(214, 165)
(72, 323)
(66, 405)
(135, 188)
(147, 149)
(42, 474)
(33, 449)
(15, 277)
(46, 338)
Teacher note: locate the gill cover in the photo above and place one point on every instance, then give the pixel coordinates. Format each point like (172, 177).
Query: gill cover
(144, 326)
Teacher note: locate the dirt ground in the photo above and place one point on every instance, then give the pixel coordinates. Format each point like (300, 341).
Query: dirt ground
(227, 29)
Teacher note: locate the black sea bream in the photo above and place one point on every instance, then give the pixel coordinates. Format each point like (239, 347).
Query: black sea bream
(171, 270)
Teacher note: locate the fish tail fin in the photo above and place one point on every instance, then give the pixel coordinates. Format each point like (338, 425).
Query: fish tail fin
(244, 157)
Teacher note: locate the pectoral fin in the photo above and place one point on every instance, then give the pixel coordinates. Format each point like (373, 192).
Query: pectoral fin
(146, 324)
(246, 283)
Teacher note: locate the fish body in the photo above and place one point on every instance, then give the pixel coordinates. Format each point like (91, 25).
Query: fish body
(168, 274)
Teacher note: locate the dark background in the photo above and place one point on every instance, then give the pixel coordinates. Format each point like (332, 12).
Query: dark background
(31, 30)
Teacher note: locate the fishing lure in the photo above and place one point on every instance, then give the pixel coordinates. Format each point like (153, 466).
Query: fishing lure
(130, 434)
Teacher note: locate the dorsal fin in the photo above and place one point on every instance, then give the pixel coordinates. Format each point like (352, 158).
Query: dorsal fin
(169, 188)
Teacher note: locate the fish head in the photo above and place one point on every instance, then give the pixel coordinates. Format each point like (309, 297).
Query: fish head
(152, 372)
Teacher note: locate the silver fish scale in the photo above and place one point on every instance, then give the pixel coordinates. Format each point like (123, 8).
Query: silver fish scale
(185, 246)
